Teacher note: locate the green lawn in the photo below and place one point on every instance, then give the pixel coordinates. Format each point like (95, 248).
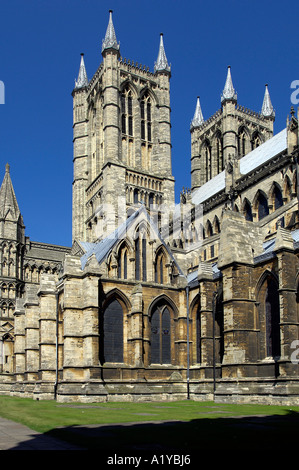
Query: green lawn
(189, 425)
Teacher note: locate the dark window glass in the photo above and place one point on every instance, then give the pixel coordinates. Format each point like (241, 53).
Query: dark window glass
(111, 333)
(161, 270)
(148, 111)
(130, 125)
(130, 105)
(263, 209)
(165, 337)
(125, 265)
(160, 336)
(155, 338)
(137, 259)
(198, 338)
(123, 124)
(144, 259)
(123, 104)
(278, 202)
(248, 212)
(142, 130)
(149, 131)
(135, 196)
(272, 319)
(142, 109)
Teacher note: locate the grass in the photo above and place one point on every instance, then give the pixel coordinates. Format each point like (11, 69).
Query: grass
(187, 425)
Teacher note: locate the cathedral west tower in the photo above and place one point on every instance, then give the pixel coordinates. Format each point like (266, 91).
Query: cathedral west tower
(122, 141)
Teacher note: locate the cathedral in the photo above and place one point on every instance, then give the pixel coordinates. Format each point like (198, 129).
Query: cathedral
(157, 300)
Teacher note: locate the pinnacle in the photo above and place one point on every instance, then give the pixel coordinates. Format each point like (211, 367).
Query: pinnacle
(161, 64)
(82, 76)
(267, 108)
(198, 117)
(228, 91)
(110, 41)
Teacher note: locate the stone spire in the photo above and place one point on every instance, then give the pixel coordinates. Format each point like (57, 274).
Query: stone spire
(8, 201)
(229, 91)
(267, 108)
(161, 64)
(198, 117)
(110, 41)
(82, 76)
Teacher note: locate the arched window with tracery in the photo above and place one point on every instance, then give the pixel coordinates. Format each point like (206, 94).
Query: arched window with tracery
(160, 334)
(160, 267)
(242, 142)
(141, 254)
(207, 158)
(256, 140)
(269, 316)
(146, 117)
(127, 112)
(111, 325)
(122, 262)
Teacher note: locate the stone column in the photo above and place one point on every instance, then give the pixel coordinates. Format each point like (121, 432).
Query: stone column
(90, 309)
(136, 328)
(19, 346)
(239, 241)
(47, 327)
(73, 320)
(287, 270)
(206, 313)
(31, 305)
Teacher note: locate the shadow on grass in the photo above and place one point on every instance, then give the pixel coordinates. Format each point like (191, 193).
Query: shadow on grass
(173, 437)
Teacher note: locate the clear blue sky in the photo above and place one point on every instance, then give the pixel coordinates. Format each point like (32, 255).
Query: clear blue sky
(40, 46)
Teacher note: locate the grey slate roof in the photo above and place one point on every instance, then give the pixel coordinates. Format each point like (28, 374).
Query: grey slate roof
(102, 248)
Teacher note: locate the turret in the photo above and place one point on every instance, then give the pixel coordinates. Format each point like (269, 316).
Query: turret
(228, 102)
(80, 151)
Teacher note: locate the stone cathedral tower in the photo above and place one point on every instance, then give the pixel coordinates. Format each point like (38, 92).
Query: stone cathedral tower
(122, 143)
(232, 132)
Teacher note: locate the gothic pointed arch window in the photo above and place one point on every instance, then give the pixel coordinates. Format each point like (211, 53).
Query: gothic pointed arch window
(141, 254)
(277, 199)
(209, 229)
(256, 140)
(122, 262)
(247, 211)
(219, 152)
(160, 267)
(219, 327)
(198, 336)
(268, 316)
(242, 141)
(287, 189)
(127, 111)
(160, 333)
(272, 319)
(146, 117)
(262, 206)
(207, 158)
(111, 324)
